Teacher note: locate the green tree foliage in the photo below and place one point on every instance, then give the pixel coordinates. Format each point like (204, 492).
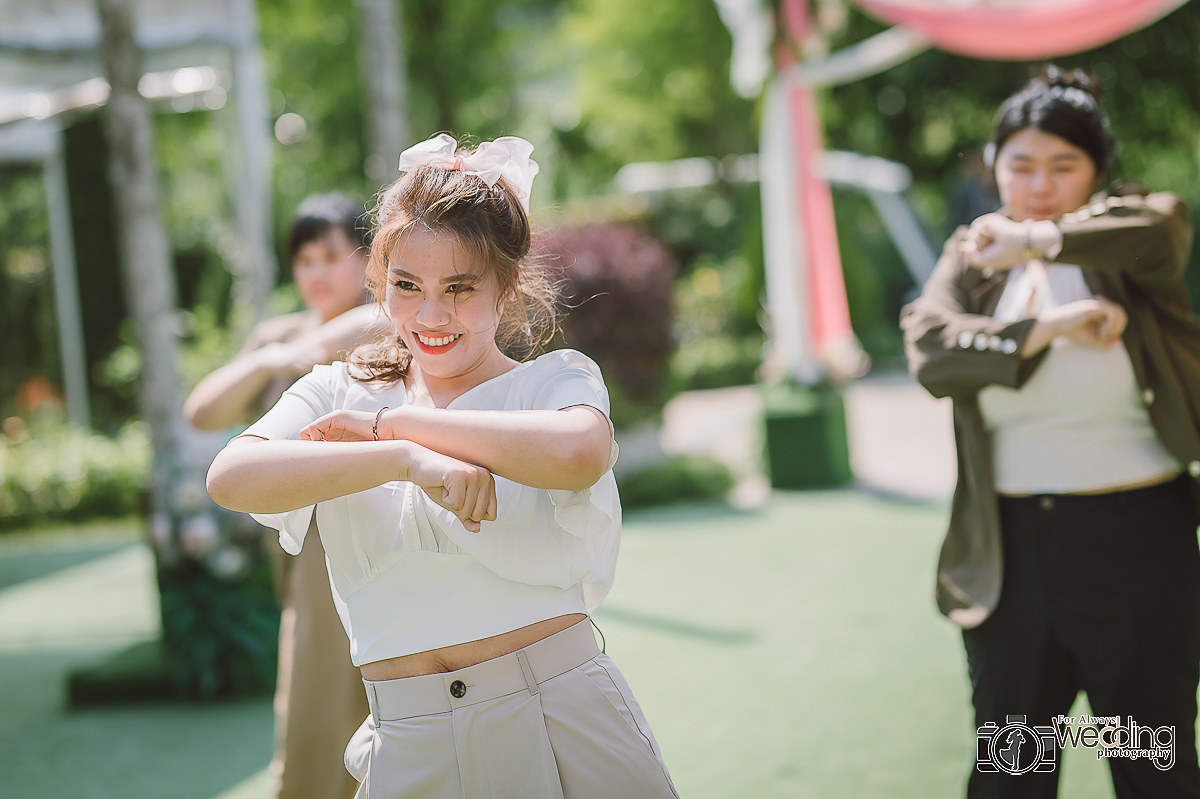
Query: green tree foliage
(311, 56)
(651, 81)
(466, 59)
(463, 58)
(26, 290)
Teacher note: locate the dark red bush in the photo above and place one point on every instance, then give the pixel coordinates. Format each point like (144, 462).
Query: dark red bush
(618, 289)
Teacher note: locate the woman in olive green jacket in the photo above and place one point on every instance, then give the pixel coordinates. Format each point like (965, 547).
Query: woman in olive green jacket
(1061, 329)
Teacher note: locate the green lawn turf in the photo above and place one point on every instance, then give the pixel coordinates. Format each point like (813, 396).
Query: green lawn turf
(790, 652)
(796, 651)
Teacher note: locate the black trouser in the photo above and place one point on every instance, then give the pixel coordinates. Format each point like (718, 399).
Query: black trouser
(1101, 593)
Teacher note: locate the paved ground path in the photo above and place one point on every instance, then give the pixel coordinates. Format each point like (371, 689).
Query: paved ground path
(789, 649)
(901, 440)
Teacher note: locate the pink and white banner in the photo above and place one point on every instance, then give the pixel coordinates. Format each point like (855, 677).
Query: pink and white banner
(1019, 30)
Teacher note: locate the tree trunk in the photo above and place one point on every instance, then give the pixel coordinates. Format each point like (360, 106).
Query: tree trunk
(142, 243)
(219, 619)
(382, 64)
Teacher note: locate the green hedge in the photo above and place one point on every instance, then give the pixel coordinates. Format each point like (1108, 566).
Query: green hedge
(65, 474)
(684, 477)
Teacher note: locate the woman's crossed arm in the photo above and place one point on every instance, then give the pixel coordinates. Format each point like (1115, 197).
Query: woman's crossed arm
(259, 476)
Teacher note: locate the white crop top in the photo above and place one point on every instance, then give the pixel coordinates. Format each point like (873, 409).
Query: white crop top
(1079, 422)
(406, 575)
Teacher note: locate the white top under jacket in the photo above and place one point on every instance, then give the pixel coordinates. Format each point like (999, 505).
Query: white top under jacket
(406, 575)
(1080, 423)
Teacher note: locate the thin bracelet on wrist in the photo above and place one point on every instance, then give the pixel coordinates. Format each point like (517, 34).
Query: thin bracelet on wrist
(375, 427)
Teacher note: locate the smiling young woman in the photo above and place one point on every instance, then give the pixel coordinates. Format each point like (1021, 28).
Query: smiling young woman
(464, 494)
(446, 312)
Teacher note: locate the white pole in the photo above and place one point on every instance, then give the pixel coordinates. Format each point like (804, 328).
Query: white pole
(66, 287)
(785, 250)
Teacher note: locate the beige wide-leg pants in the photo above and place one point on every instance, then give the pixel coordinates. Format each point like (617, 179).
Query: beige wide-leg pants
(555, 720)
(319, 700)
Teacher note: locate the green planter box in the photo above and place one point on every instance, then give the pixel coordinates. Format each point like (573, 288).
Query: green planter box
(805, 436)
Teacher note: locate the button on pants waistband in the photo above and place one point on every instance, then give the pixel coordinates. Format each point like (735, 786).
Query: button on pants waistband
(523, 670)
(1114, 501)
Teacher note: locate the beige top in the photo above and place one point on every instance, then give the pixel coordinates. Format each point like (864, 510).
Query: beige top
(1079, 424)
(277, 330)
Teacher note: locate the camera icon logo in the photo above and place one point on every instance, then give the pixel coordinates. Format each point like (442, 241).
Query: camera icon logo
(1015, 748)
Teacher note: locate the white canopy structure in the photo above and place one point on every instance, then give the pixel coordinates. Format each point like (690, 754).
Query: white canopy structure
(195, 54)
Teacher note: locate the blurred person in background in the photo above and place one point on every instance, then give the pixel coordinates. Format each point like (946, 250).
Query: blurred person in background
(319, 700)
(1061, 329)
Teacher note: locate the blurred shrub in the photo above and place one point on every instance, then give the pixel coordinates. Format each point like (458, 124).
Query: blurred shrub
(684, 477)
(220, 633)
(220, 621)
(65, 474)
(715, 233)
(206, 344)
(618, 284)
(717, 361)
(720, 340)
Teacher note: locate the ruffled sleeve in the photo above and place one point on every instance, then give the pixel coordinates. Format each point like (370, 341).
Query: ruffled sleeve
(575, 379)
(310, 398)
(567, 378)
(293, 526)
(593, 510)
(572, 378)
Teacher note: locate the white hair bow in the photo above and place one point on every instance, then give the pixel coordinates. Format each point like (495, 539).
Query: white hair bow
(507, 157)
